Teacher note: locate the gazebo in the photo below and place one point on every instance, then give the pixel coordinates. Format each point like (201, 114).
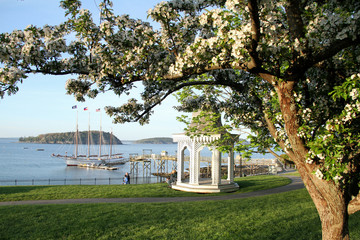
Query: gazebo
(195, 145)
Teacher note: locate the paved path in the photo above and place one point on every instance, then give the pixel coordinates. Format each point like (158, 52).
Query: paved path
(294, 185)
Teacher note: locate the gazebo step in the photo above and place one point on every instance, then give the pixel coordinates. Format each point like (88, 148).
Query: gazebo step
(232, 187)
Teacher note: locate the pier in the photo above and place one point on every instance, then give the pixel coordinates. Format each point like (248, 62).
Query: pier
(163, 164)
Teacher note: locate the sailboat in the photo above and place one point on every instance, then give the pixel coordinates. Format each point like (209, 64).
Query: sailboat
(92, 159)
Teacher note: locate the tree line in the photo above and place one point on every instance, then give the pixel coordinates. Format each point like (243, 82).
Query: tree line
(69, 138)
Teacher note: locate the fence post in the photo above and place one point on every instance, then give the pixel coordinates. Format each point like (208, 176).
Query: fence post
(80, 181)
(15, 182)
(49, 181)
(95, 181)
(109, 181)
(64, 181)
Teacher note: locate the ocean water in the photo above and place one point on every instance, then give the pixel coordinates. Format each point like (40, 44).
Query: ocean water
(23, 164)
(23, 161)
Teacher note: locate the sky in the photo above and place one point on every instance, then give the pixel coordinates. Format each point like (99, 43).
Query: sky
(42, 106)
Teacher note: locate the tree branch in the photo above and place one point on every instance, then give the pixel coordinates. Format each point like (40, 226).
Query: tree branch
(309, 60)
(276, 155)
(255, 36)
(334, 48)
(59, 73)
(272, 129)
(187, 84)
(293, 14)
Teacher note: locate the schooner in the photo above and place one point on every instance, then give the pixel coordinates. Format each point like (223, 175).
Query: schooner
(91, 159)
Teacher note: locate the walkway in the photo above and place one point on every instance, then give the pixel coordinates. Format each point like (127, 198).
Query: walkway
(294, 185)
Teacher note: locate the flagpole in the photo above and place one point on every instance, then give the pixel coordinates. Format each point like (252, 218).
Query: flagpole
(89, 138)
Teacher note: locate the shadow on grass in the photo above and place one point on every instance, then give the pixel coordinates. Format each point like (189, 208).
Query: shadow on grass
(256, 183)
(18, 193)
(245, 184)
(21, 189)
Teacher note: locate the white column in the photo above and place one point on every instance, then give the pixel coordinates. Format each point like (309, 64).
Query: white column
(216, 167)
(194, 165)
(191, 165)
(180, 162)
(231, 167)
(197, 167)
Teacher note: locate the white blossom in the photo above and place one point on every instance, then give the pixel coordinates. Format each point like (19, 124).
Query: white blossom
(354, 94)
(309, 161)
(319, 174)
(337, 178)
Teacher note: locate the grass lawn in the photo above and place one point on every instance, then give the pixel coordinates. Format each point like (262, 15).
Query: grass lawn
(290, 215)
(296, 173)
(17, 193)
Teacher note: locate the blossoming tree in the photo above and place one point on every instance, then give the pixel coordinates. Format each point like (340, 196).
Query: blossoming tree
(286, 69)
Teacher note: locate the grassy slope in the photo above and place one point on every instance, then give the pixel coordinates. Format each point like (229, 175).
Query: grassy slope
(17, 193)
(289, 215)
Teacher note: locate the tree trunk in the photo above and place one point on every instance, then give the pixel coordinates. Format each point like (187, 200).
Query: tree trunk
(354, 205)
(334, 222)
(328, 197)
(331, 205)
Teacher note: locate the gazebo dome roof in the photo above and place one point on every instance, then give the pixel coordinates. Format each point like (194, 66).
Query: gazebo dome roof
(206, 122)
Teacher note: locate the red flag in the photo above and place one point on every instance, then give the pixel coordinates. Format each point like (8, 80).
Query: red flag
(98, 110)
(85, 109)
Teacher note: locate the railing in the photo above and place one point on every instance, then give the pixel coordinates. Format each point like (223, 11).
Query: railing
(78, 181)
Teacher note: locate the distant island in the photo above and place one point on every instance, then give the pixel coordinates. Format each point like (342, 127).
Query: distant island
(69, 138)
(160, 140)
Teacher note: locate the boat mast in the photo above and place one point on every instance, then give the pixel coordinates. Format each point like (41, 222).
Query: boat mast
(77, 134)
(76, 131)
(110, 153)
(100, 136)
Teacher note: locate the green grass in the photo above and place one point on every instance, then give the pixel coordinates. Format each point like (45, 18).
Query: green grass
(296, 173)
(17, 193)
(290, 215)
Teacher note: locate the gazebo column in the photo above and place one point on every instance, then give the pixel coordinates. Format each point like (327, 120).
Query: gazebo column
(180, 164)
(216, 167)
(194, 166)
(231, 167)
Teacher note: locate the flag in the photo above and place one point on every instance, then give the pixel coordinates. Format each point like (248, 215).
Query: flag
(74, 107)
(98, 110)
(85, 109)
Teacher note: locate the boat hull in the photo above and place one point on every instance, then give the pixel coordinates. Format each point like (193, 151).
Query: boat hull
(84, 161)
(76, 162)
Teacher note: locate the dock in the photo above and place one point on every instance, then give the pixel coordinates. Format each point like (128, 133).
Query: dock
(164, 164)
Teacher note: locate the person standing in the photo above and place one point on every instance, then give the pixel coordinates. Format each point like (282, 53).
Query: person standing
(172, 178)
(128, 177)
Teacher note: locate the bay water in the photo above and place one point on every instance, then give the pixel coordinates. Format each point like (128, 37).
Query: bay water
(33, 164)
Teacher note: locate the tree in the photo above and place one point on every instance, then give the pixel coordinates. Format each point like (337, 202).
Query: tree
(287, 69)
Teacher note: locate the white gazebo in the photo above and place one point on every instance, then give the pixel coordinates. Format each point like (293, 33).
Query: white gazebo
(195, 145)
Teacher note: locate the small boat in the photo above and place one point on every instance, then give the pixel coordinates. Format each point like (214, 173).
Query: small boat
(112, 168)
(40, 149)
